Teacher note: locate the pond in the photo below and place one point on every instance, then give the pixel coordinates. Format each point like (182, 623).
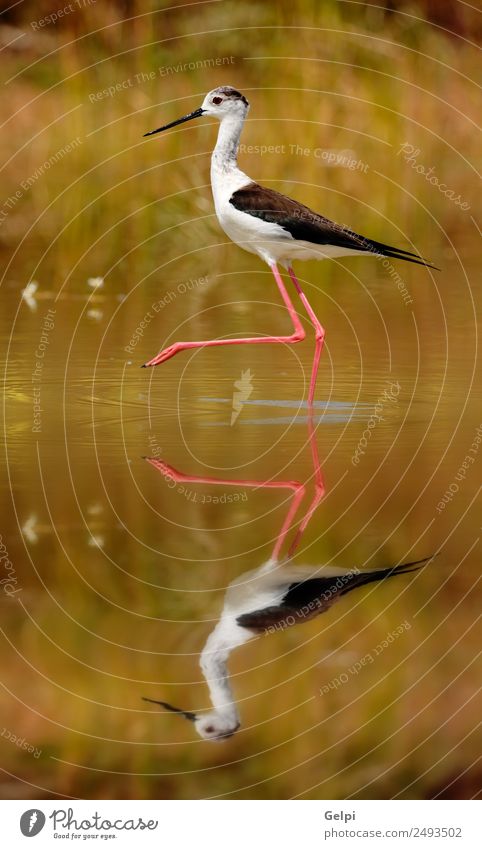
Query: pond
(136, 497)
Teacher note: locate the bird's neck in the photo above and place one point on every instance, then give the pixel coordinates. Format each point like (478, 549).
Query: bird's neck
(225, 153)
(214, 658)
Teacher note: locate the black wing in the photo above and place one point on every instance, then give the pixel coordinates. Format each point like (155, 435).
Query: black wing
(304, 224)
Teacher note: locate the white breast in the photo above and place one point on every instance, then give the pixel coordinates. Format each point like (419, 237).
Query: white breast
(249, 232)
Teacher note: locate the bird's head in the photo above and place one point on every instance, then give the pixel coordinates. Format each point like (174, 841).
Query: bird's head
(214, 726)
(219, 103)
(225, 101)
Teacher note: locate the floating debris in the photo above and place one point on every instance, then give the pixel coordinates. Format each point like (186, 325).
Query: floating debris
(29, 529)
(28, 294)
(96, 315)
(95, 282)
(96, 541)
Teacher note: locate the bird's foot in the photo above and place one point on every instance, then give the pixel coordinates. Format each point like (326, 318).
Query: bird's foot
(164, 355)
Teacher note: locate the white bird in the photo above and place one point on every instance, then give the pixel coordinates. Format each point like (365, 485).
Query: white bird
(265, 222)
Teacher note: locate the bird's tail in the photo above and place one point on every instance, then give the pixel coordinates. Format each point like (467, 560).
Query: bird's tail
(396, 253)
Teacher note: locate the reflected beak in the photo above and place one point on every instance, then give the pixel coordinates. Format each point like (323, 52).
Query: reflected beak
(229, 733)
(196, 114)
(185, 713)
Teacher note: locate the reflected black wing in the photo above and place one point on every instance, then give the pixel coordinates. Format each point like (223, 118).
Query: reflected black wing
(306, 599)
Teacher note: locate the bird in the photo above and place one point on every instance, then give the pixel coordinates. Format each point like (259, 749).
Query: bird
(265, 222)
(271, 598)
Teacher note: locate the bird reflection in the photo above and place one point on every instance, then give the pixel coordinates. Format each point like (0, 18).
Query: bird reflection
(275, 596)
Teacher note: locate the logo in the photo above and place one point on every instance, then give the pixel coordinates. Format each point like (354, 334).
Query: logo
(32, 822)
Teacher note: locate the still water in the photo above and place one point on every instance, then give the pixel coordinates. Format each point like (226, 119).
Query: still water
(134, 498)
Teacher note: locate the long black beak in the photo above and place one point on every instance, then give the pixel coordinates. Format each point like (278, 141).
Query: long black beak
(196, 114)
(186, 713)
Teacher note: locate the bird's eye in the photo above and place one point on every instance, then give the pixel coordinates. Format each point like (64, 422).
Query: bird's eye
(209, 729)
(217, 100)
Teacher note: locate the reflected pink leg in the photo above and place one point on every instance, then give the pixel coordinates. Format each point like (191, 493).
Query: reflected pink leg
(297, 488)
(319, 489)
(297, 336)
(298, 495)
(298, 492)
(319, 335)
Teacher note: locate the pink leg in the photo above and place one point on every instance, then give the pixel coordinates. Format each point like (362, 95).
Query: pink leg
(297, 336)
(319, 335)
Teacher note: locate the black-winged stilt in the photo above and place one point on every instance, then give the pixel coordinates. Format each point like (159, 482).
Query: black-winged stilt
(265, 222)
